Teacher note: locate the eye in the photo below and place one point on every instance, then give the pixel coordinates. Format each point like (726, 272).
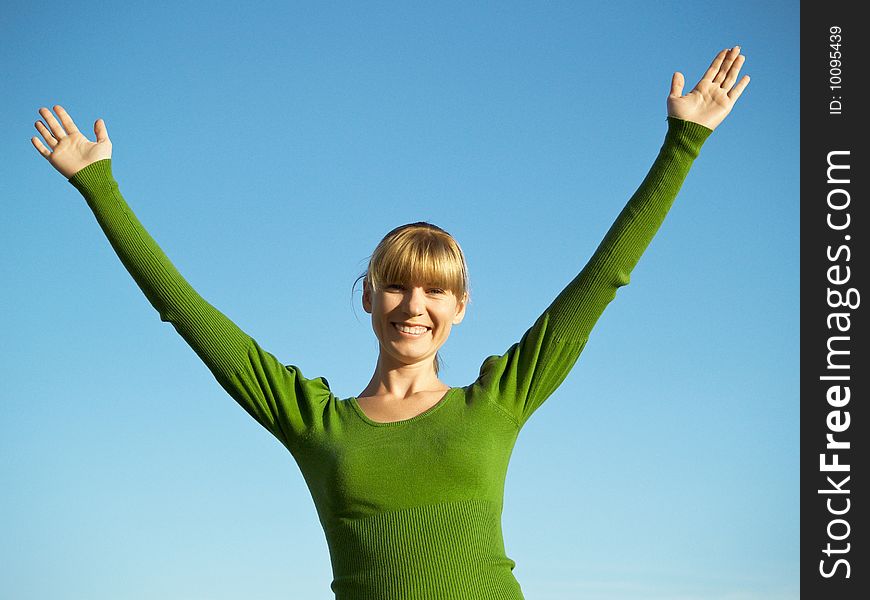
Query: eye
(395, 286)
(437, 291)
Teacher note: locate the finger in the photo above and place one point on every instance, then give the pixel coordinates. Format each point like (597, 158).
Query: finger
(56, 130)
(65, 119)
(677, 83)
(42, 149)
(714, 66)
(733, 72)
(735, 92)
(726, 64)
(46, 134)
(101, 131)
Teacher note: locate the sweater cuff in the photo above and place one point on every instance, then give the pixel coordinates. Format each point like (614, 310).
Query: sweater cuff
(688, 135)
(94, 177)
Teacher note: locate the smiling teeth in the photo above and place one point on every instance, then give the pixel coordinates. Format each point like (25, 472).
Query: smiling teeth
(412, 330)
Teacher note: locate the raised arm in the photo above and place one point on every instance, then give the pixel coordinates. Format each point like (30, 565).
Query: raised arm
(522, 378)
(278, 397)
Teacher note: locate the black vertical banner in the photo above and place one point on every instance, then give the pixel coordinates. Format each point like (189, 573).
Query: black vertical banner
(835, 349)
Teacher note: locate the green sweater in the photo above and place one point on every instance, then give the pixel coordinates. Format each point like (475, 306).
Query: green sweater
(411, 509)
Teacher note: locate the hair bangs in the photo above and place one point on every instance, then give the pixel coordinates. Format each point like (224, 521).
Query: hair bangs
(419, 255)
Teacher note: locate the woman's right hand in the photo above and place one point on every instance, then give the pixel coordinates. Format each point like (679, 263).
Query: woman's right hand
(69, 151)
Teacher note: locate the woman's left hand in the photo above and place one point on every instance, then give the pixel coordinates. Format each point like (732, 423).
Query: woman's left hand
(712, 98)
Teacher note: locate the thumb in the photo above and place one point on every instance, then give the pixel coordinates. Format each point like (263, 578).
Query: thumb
(100, 130)
(677, 83)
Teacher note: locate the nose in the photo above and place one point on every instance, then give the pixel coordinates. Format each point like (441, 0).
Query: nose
(414, 302)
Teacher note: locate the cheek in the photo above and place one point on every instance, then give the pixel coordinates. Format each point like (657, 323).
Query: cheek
(378, 305)
(381, 312)
(446, 320)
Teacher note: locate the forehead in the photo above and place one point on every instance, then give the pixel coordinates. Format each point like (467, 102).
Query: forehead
(417, 272)
(418, 261)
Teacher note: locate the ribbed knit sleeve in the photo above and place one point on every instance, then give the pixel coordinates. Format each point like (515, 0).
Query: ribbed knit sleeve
(522, 378)
(277, 396)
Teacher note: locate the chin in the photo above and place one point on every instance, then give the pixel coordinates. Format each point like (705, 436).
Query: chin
(410, 359)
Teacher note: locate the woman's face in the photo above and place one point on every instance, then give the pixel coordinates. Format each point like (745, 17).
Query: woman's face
(412, 322)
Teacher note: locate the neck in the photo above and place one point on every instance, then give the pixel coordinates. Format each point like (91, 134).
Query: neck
(394, 380)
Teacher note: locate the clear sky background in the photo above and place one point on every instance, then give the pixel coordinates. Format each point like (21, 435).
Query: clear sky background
(268, 148)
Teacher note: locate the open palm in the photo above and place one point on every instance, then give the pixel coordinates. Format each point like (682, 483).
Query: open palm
(712, 98)
(69, 150)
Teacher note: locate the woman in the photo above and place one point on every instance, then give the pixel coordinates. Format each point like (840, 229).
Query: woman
(408, 477)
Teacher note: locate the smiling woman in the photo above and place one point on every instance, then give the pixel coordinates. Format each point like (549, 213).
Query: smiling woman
(408, 478)
(417, 267)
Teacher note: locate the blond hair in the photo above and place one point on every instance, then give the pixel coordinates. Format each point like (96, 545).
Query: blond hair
(419, 253)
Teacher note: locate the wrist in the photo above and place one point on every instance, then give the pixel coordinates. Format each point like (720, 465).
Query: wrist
(93, 177)
(688, 135)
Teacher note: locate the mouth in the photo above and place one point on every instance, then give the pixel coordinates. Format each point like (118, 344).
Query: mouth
(413, 331)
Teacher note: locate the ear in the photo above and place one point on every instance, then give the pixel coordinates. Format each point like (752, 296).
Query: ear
(460, 310)
(367, 297)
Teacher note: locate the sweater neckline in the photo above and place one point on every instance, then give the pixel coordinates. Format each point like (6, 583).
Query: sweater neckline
(425, 413)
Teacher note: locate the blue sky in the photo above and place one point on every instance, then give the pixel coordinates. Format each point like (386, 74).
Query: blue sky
(268, 148)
